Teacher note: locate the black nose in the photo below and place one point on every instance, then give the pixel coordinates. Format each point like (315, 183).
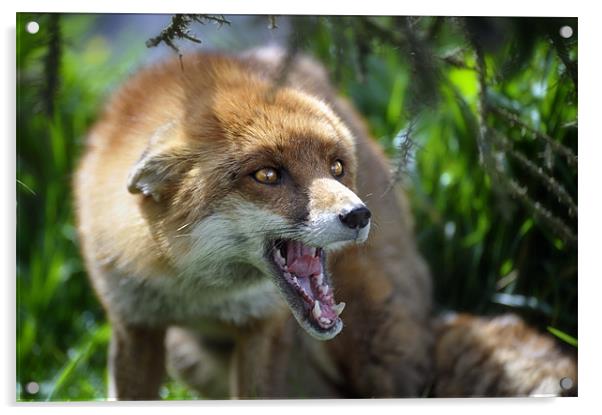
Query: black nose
(357, 218)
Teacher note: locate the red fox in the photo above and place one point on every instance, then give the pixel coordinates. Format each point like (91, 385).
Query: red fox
(239, 230)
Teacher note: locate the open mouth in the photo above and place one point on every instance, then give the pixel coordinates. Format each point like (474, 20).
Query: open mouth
(307, 287)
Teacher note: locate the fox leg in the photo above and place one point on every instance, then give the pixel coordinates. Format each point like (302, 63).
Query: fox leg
(385, 347)
(260, 360)
(390, 360)
(136, 362)
(203, 364)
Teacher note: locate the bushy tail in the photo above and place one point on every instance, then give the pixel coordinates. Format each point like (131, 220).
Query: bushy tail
(499, 356)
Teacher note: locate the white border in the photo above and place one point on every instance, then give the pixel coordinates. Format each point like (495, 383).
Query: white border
(374, 7)
(589, 224)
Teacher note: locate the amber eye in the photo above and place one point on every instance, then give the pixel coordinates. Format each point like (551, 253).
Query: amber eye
(267, 176)
(337, 168)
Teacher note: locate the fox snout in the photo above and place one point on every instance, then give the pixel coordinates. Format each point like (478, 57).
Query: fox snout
(336, 214)
(357, 218)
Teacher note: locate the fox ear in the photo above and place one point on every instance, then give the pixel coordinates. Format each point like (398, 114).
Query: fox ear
(157, 165)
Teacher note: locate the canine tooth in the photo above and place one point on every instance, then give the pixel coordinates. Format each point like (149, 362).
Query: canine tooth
(312, 251)
(324, 320)
(279, 258)
(320, 279)
(339, 308)
(317, 312)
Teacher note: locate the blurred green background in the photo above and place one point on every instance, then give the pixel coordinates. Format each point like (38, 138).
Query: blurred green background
(478, 115)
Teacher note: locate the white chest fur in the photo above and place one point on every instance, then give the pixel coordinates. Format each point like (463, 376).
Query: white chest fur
(218, 275)
(181, 300)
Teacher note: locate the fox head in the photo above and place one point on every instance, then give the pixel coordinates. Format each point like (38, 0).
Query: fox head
(260, 177)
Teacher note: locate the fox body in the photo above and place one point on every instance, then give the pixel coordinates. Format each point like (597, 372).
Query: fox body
(213, 199)
(227, 217)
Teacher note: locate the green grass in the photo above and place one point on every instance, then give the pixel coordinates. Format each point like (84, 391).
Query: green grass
(62, 335)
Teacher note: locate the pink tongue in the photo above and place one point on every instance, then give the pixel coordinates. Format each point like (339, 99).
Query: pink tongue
(305, 266)
(301, 261)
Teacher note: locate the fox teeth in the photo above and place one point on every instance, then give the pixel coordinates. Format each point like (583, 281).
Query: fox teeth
(339, 308)
(317, 312)
(320, 279)
(279, 258)
(324, 320)
(312, 251)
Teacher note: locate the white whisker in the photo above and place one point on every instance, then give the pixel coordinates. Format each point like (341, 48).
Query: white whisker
(183, 226)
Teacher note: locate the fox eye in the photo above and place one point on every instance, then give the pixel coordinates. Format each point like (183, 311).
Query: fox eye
(336, 168)
(267, 175)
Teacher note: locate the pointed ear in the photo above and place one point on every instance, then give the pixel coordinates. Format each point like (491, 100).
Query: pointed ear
(157, 166)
